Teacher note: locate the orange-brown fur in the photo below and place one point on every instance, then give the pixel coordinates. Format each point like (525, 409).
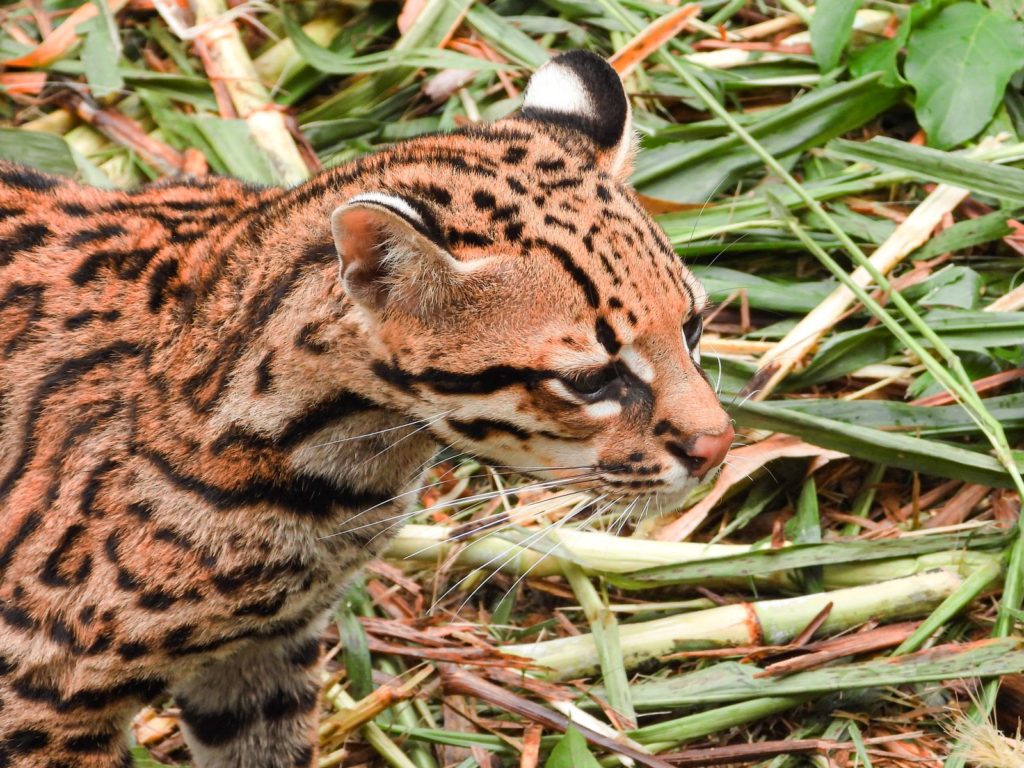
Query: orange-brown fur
(185, 377)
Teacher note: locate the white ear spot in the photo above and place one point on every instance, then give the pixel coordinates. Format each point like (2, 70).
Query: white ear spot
(556, 88)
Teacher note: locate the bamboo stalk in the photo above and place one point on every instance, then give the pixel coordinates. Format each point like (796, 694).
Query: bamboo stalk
(233, 67)
(774, 622)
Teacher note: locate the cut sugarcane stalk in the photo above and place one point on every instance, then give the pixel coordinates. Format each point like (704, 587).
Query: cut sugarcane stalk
(601, 553)
(772, 622)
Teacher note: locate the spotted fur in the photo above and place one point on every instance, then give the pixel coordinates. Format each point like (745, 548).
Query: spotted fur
(215, 398)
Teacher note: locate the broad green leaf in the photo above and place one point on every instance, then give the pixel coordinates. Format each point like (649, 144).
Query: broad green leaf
(959, 64)
(953, 286)
(571, 752)
(831, 27)
(44, 151)
(882, 57)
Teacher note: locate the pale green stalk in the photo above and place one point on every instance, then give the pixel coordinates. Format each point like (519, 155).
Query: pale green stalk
(605, 631)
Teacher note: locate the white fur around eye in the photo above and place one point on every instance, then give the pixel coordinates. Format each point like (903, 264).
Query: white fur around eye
(694, 353)
(555, 88)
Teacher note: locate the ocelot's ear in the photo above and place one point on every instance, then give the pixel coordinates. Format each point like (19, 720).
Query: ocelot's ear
(391, 255)
(580, 91)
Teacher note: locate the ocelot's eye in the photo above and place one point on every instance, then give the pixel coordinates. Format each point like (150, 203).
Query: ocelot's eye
(591, 384)
(692, 329)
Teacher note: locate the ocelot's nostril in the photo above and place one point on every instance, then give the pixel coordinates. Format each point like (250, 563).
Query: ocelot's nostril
(693, 464)
(704, 452)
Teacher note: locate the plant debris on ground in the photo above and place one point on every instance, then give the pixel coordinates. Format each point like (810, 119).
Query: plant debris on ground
(848, 182)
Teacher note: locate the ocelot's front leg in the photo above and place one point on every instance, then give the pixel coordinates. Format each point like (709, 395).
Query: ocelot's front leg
(257, 708)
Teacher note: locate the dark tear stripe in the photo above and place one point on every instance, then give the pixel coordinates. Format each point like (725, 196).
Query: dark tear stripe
(94, 699)
(298, 429)
(479, 429)
(607, 337)
(581, 278)
(482, 382)
(304, 496)
(25, 178)
(25, 237)
(28, 526)
(51, 574)
(102, 232)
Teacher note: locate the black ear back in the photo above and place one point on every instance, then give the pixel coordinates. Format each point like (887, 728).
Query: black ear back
(580, 91)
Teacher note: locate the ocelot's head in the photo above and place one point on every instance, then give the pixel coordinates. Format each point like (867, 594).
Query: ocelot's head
(522, 302)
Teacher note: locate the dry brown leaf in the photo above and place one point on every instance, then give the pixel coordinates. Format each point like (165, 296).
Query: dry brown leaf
(739, 464)
(59, 42)
(633, 53)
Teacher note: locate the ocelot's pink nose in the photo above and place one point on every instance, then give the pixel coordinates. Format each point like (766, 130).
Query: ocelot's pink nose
(704, 452)
(711, 449)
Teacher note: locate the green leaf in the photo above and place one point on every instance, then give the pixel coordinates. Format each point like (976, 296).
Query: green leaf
(967, 233)
(862, 442)
(959, 64)
(49, 153)
(693, 172)
(232, 141)
(831, 27)
(336, 63)
(999, 181)
(571, 752)
(882, 57)
(357, 652)
(101, 52)
(733, 681)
